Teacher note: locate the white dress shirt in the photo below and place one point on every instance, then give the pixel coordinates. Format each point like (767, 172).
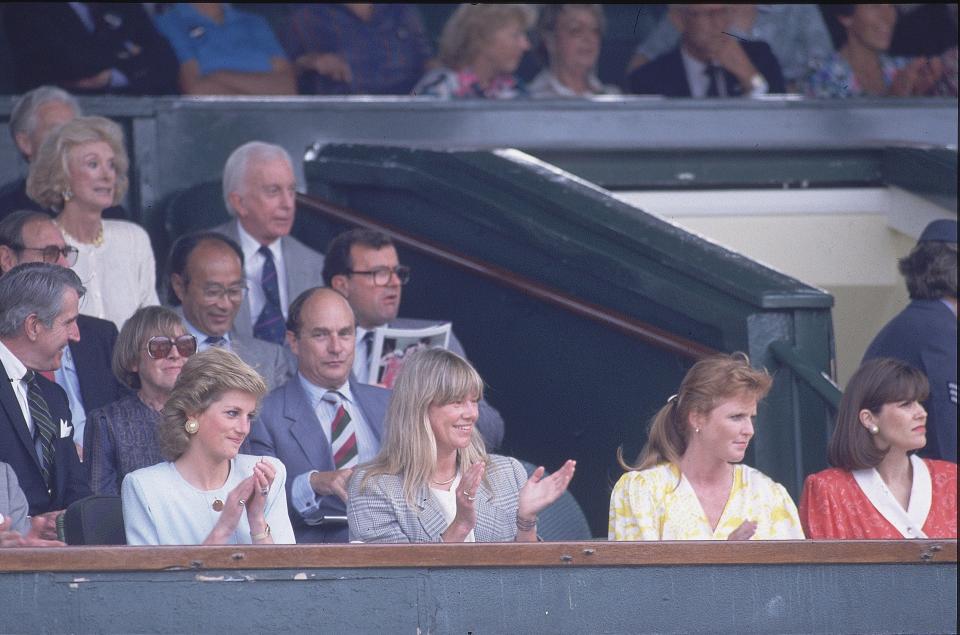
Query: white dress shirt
(253, 269)
(15, 372)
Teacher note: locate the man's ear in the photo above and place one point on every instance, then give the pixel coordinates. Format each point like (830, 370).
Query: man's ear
(293, 342)
(178, 286)
(236, 204)
(8, 259)
(22, 140)
(340, 284)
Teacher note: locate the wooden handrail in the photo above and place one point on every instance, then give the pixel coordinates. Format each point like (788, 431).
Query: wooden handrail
(546, 554)
(631, 326)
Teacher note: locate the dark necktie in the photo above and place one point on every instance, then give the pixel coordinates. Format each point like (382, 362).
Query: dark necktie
(44, 430)
(343, 438)
(215, 340)
(270, 326)
(713, 87)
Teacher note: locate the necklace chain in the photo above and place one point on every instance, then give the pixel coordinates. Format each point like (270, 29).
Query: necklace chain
(447, 482)
(96, 242)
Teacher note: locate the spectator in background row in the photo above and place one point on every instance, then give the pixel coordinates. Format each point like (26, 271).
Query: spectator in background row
(709, 62)
(569, 38)
(89, 47)
(122, 436)
(225, 51)
(795, 33)
(81, 170)
(35, 115)
(16, 530)
(357, 48)
(925, 29)
(481, 46)
(862, 67)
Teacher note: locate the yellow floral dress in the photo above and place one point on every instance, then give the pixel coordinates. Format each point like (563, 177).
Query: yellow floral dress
(659, 504)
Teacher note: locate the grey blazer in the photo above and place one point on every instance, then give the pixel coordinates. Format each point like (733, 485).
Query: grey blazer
(272, 361)
(380, 513)
(489, 423)
(13, 503)
(303, 266)
(288, 429)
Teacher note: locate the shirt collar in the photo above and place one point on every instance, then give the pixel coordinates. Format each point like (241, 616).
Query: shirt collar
(952, 307)
(197, 333)
(316, 393)
(12, 364)
(251, 246)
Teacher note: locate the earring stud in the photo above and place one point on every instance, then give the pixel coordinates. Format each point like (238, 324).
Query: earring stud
(191, 426)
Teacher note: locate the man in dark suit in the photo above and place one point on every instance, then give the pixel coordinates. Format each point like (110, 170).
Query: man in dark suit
(38, 318)
(321, 423)
(85, 373)
(259, 189)
(363, 266)
(34, 116)
(709, 62)
(924, 334)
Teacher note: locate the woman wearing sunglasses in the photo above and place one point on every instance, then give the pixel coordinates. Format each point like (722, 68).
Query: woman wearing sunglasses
(121, 437)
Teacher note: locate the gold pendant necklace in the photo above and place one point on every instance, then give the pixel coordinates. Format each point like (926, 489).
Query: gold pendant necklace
(217, 505)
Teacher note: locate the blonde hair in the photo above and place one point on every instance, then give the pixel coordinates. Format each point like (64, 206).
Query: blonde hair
(145, 323)
(49, 174)
(429, 377)
(709, 382)
(203, 380)
(470, 25)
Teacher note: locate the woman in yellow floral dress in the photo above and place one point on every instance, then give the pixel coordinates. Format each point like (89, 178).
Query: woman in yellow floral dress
(689, 483)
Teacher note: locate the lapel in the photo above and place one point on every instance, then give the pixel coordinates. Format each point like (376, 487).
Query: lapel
(242, 324)
(486, 527)
(305, 428)
(9, 403)
(297, 278)
(374, 422)
(678, 72)
(909, 522)
(431, 518)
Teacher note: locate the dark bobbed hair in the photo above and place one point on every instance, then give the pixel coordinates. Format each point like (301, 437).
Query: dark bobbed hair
(336, 260)
(930, 270)
(180, 254)
(877, 382)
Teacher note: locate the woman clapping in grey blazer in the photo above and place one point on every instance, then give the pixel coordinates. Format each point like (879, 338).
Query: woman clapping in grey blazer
(433, 480)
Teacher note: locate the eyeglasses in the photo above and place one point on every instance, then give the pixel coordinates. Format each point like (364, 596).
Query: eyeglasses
(382, 275)
(216, 292)
(159, 346)
(52, 253)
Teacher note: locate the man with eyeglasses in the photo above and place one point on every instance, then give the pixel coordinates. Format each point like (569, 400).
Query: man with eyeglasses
(205, 277)
(363, 266)
(259, 189)
(85, 373)
(709, 61)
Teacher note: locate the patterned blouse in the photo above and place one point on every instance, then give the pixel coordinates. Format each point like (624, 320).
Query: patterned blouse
(121, 437)
(447, 83)
(659, 504)
(835, 78)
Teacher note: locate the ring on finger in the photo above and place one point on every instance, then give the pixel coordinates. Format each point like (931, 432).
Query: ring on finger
(265, 491)
(242, 502)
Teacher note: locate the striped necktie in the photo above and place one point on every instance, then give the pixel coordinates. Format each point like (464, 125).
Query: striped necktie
(343, 437)
(44, 430)
(270, 326)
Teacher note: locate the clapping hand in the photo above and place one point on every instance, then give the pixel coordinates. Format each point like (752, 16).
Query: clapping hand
(744, 532)
(466, 517)
(538, 492)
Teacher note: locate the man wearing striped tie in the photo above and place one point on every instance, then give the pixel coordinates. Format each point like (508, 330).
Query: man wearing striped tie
(38, 318)
(320, 423)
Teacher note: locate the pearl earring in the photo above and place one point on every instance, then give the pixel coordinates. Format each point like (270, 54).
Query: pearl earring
(67, 195)
(191, 426)
(874, 429)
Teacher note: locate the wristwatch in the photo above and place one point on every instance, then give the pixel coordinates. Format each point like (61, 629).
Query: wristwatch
(262, 535)
(758, 85)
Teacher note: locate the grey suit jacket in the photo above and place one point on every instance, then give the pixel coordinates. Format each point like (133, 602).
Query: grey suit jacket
(489, 423)
(303, 266)
(270, 360)
(380, 513)
(288, 429)
(13, 503)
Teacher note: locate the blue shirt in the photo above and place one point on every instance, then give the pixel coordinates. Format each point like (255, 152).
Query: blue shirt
(242, 43)
(66, 377)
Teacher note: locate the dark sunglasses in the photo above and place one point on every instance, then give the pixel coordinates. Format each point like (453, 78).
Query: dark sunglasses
(159, 346)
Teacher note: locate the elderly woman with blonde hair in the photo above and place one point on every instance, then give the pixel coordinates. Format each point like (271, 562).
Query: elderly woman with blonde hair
(481, 46)
(81, 170)
(206, 492)
(433, 480)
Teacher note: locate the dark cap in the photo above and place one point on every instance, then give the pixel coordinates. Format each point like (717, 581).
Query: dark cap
(943, 230)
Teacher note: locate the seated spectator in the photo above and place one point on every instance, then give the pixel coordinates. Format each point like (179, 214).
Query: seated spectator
(481, 46)
(16, 530)
(207, 493)
(358, 48)
(205, 277)
(321, 423)
(259, 191)
(861, 66)
(34, 116)
(708, 62)
(433, 480)
(926, 29)
(363, 266)
(796, 33)
(569, 37)
(89, 47)
(924, 334)
(122, 436)
(38, 314)
(688, 483)
(84, 373)
(878, 488)
(81, 170)
(225, 51)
